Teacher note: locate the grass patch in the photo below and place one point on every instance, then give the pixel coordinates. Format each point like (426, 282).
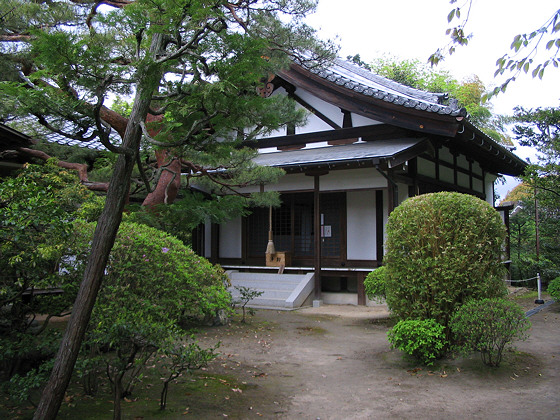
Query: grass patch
(201, 394)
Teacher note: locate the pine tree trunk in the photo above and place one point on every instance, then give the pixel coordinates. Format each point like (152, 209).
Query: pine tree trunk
(103, 240)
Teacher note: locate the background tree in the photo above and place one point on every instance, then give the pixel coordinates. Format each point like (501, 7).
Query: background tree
(540, 129)
(193, 66)
(468, 93)
(524, 47)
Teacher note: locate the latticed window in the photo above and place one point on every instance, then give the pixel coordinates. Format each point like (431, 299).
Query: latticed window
(294, 228)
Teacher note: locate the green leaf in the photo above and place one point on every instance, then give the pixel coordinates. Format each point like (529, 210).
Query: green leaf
(451, 15)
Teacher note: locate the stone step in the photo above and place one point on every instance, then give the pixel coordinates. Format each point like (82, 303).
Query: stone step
(282, 291)
(267, 293)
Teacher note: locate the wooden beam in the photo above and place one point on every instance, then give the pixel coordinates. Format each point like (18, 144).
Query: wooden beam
(317, 215)
(313, 110)
(368, 133)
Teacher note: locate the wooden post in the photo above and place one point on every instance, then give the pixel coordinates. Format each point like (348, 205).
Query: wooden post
(317, 215)
(361, 288)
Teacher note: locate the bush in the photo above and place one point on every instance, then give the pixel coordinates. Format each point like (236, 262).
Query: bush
(152, 284)
(153, 266)
(554, 289)
(442, 249)
(36, 210)
(423, 339)
(488, 326)
(375, 284)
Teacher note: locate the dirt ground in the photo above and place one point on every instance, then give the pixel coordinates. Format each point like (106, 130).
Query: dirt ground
(334, 362)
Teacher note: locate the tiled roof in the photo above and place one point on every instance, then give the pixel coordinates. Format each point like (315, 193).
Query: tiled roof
(360, 80)
(337, 154)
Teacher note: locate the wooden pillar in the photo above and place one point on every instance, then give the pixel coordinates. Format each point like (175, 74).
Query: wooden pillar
(361, 288)
(317, 217)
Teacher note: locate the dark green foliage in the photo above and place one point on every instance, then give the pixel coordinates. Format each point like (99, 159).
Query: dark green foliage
(148, 265)
(185, 214)
(538, 128)
(488, 326)
(183, 358)
(554, 289)
(246, 295)
(37, 209)
(423, 339)
(153, 284)
(375, 284)
(442, 249)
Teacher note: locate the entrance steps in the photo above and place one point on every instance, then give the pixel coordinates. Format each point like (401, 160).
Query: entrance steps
(280, 291)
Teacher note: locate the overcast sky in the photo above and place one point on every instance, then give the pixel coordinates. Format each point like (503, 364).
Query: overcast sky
(414, 29)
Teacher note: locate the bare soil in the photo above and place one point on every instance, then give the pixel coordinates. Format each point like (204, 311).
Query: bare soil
(334, 362)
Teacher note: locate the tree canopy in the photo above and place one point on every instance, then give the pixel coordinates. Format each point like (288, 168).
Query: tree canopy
(539, 192)
(522, 57)
(193, 69)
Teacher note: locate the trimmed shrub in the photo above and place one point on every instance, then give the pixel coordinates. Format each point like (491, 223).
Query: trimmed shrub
(152, 284)
(423, 339)
(375, 284)
(554, 289)
(153, 266)
(442, 249)
(488, 326)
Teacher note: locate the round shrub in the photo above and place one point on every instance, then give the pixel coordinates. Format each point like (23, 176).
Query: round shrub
(488, 326)
(442, 249)
(374, 284)
(554, 289)
(423, 339)
(153, 271)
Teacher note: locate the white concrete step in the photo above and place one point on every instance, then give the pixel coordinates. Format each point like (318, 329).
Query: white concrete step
(282, 291)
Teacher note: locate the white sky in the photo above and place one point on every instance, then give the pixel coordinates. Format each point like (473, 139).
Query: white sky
(414, 29)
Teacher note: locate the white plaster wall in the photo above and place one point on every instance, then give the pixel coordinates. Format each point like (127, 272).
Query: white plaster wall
(230, 239)
(476, 168)
(463, 180)
(403, 192)
(207, 239)
(352, 179)
(489, 180)
(360, 121)
(445, 155)
(313, 124)
(462, 162)
(360, 232)
(446, 174)
(332, 112)
(477, 185)
(292, 182)
(426, 168)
